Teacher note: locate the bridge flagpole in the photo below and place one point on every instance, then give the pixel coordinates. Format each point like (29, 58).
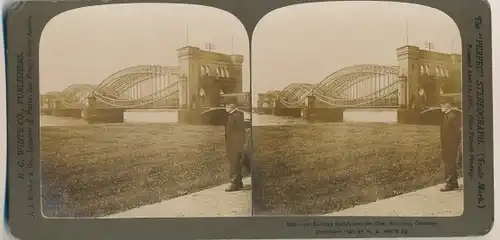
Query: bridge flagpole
(429, 46)
(406, 32)
(209, 46)
(187, 34)
(232, 44)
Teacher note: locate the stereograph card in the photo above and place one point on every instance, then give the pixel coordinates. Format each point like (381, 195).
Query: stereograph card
(218, 119)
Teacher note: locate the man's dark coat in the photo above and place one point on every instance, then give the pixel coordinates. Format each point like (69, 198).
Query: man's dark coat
(451, 138)
(235, 141)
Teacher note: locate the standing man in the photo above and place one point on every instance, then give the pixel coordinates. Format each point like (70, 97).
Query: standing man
(235, 142)
(247, 148)
(451, 138)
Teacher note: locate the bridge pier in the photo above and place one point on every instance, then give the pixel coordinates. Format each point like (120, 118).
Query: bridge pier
(74, 113)
(46, 111)
(432, 118)
(407, 116)
(110, 115)
(186, 116)
(323, 114)
(59, 111)
(264, 110)
(289, 112)
(200, 117)
(278, 109)
(314, 113)
(96, 112)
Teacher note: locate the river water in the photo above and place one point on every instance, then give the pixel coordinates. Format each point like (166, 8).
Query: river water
(165, 116)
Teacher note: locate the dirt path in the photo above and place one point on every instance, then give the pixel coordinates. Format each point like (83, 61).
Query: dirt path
(212, 202)
(426, 202)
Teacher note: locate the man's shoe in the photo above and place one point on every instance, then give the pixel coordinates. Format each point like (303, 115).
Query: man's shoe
(234, 187)
(449, 187)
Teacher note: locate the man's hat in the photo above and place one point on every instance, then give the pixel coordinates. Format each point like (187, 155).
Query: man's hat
(232, 100)
(446, 99)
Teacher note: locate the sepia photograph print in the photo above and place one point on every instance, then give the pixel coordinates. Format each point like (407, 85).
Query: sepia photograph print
(357, 111)
(145, 112)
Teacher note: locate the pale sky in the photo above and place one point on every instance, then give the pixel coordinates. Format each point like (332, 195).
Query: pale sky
(307, 42)
(301, 43)
(86, 45)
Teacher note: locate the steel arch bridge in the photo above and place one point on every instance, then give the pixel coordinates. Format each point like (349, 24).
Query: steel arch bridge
(365, 85)
(131, 87)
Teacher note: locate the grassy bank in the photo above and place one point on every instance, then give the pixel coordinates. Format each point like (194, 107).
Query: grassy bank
(315, 169)
(95, 170)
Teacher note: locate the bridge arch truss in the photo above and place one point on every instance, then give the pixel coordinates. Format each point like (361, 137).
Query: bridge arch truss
(130, 87)
(365, 85)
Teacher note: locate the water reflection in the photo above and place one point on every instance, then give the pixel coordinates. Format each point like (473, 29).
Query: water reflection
(379, 116)
(60, 121)
(263, 120)
(166, 116)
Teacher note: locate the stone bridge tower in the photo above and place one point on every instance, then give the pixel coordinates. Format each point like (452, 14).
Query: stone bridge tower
(437, 73)
(208, 75)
